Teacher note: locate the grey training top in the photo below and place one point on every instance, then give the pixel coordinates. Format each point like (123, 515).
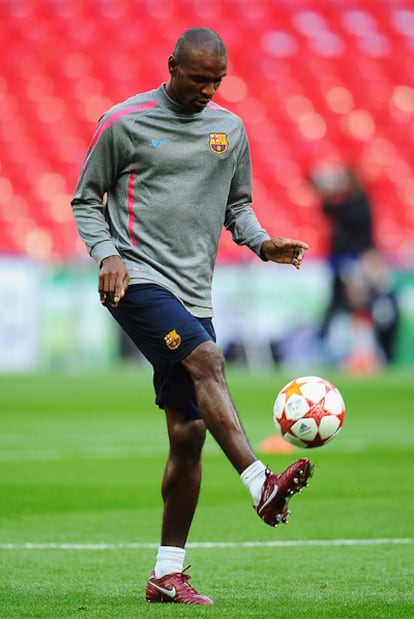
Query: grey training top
(171, 180)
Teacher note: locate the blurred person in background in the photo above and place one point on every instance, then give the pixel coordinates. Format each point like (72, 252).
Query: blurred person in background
(361, 282)
(370, 293)
(348, 209)
(176, 168)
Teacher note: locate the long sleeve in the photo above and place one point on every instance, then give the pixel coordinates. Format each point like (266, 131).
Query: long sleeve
(241, 219)
(99, 172)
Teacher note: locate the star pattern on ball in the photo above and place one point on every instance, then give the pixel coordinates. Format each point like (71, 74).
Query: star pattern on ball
(293, 388)
(317, 410)
(309, 411)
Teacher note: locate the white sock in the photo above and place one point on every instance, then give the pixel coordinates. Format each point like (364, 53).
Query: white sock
(170, 559)
(253, 478)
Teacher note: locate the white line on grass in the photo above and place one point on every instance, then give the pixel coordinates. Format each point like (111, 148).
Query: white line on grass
(270, 544)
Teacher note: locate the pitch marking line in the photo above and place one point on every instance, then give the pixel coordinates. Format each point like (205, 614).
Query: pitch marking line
(270, 544)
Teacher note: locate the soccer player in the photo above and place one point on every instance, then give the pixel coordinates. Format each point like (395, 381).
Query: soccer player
(164, 172)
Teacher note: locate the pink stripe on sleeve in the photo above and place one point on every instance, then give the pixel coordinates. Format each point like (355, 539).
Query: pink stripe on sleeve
(131, 219)
(112, 119)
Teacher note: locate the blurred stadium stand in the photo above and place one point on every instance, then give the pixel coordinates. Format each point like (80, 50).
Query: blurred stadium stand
(312, 79)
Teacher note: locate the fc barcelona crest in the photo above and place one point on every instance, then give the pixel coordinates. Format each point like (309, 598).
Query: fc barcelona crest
(218, 143)
(172, 339)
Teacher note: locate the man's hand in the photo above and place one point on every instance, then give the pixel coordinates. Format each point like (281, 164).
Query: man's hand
(285, 251)
(113, 280)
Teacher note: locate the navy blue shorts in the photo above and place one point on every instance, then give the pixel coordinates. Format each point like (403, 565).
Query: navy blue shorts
(165, 332)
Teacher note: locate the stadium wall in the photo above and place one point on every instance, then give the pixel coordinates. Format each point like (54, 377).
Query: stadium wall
(50, 316)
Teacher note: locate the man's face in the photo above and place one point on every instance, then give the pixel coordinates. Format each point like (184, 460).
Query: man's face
(195, 80)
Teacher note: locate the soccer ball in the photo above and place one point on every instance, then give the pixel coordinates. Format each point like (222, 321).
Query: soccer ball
(309, 411)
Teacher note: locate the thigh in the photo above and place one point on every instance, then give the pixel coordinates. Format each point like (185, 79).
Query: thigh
(174, 386)
(166, 333)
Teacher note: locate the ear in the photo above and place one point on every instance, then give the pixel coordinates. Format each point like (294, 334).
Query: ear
(172, 64)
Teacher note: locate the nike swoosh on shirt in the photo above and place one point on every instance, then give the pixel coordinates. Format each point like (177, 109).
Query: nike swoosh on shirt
(156, 143)
(170, 593)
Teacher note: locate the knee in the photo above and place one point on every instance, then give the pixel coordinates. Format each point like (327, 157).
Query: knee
(188, 438)
(205, 361)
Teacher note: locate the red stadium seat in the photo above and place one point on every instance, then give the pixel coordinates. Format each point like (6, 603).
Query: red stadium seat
(322, 78)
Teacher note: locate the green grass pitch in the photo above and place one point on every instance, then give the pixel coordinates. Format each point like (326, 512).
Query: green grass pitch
(81, 458)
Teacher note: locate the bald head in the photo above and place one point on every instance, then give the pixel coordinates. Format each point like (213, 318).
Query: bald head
(197, 66)
(201, 39)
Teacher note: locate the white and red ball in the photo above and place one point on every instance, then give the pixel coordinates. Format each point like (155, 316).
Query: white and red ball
(309, 411)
